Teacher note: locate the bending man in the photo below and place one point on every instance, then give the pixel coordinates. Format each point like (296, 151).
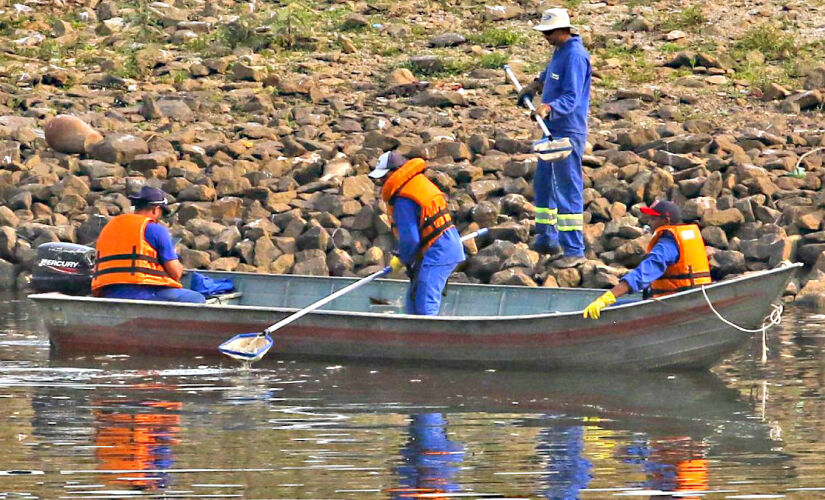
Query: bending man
(136, 258)
(676, 259)
(428, 242)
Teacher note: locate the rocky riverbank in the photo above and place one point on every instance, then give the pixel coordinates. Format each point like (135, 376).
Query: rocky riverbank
(262, 119)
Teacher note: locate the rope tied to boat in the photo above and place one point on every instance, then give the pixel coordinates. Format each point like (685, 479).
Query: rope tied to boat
(774, 318)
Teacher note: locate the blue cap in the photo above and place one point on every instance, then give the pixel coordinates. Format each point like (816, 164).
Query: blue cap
(149, 196)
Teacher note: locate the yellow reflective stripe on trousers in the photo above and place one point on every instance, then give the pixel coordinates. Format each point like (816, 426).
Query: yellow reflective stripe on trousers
(571, 222)
(546, 216)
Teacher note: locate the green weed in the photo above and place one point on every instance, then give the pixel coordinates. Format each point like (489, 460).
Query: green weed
(9, 25)
(179, 76)
(768, 39)
(759, 75)
(494, 37)
(685, 18)
(670, 47)
(389, 51)
(450, 67)
(130, 69)
(493, 60)
(291, 22)
(608, 81)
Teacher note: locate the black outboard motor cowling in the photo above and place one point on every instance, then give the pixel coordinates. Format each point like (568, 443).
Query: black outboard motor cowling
(63, 267)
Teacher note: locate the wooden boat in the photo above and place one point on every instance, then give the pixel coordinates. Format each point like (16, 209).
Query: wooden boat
(481, 325)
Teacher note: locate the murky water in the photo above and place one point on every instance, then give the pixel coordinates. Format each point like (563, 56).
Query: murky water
(123, 427)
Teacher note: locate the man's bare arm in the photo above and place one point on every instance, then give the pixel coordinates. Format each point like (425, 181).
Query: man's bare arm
(174, 268)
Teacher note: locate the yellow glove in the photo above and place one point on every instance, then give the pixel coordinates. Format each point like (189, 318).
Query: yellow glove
(594, 310)
(396, 264)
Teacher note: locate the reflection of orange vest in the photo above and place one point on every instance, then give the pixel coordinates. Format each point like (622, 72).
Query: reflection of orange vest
(127, 441)
(692, 475)
(408, 181)
(124, 256)
(692, 269)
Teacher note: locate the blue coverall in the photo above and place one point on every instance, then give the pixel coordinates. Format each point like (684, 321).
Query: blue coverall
(431, 274)
(558, 186)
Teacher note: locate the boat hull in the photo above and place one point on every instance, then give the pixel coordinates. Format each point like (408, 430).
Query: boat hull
(678, 331)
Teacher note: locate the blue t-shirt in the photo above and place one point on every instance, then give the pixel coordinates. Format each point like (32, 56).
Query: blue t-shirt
(158, 236)
(663, 254)
(567, 89)
(447, 249)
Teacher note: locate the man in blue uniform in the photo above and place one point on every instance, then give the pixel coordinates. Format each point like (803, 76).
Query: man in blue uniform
(565, 102)
(676, 259)
(428, 243)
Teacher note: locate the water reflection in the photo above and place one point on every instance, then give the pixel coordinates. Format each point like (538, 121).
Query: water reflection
(297, 429)
(676, 464)
(134, 441)
(568, 471)
(430, 459)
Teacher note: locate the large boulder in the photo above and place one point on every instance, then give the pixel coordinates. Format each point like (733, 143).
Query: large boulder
(119, 148)
(69, 134)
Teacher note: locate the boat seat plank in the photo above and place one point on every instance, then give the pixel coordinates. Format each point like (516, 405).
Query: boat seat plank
(224, 298)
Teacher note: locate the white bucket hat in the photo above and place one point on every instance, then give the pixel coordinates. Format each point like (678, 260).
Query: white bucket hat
(553, 19)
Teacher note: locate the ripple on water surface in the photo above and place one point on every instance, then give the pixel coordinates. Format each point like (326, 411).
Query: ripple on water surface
(121, 427)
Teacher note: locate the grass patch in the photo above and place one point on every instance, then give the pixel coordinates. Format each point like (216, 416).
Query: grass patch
(760, 75)
(641, 72)
(9, 26)
(130, 69)
(449, 67)
(494, 60)
(608, 81)
(179, 76)
(292, 21)
(769, 39)
(390, 51)
(670, 47)
(679, 73)
(495, 37)
(685, 18)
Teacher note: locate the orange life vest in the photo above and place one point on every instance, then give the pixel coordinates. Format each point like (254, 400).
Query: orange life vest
(124, 257)
(408, 181)
(692, 269)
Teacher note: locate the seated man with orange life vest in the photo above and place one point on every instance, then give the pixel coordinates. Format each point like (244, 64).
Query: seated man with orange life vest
(428, 242)
(676, 259)
(136, 257)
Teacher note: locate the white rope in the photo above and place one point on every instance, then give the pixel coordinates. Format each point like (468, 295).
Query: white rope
(798, 162)
(774, 318)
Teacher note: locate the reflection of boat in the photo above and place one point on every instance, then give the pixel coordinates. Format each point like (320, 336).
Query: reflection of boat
(523, 327)
(689, 403)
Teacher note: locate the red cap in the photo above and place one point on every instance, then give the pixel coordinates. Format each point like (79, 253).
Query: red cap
(662, 208)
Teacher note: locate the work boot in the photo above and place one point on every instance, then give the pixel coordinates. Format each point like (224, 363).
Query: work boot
(569, 261)
(554, 251)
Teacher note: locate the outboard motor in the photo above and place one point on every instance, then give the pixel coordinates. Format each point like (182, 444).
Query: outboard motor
(63, 267)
